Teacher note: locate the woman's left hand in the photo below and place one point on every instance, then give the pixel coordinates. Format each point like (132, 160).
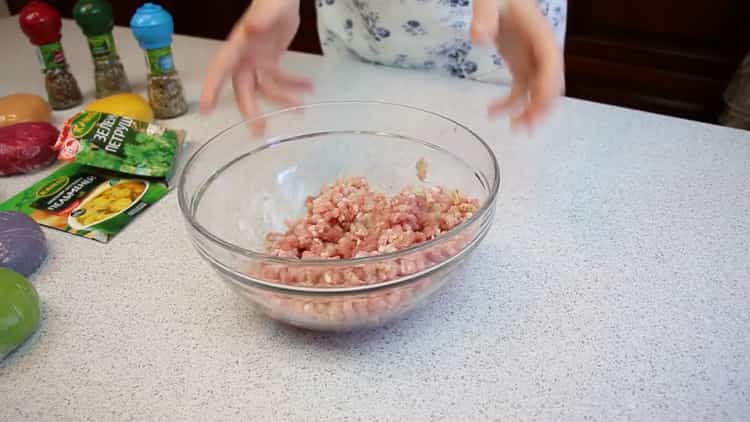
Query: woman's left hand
(525, 40)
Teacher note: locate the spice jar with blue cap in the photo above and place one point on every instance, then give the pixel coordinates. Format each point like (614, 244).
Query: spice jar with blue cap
(152, 27)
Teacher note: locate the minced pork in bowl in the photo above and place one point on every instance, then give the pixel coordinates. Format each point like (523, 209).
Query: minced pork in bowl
(339, 215)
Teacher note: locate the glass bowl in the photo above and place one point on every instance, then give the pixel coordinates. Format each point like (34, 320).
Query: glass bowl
(242, 184)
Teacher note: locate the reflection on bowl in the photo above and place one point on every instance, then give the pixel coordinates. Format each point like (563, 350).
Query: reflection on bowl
(107, 201)
(240, 186)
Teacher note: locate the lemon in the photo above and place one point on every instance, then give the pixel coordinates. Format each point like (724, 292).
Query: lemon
(126, 104)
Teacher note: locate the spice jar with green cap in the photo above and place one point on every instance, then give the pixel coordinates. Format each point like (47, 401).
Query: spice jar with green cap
(152, 26)
(95, 19)
(42, 24)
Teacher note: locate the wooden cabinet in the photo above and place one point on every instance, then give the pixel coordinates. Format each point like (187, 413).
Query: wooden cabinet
(668, 56)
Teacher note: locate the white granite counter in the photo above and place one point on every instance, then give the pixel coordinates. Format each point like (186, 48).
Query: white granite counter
(615, 284)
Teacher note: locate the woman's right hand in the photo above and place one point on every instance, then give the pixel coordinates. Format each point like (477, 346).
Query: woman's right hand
(251, 57)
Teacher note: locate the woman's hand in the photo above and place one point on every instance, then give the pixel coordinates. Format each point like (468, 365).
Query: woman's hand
(525, 40)
(251, 56)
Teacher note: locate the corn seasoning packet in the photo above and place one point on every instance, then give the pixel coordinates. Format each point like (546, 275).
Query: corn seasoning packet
(120, 144)
(87, 201)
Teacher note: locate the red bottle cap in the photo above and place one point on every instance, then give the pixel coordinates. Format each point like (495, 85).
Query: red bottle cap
(40, 22)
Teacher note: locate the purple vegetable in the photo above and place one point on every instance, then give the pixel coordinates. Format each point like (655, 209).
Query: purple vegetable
(23, 247)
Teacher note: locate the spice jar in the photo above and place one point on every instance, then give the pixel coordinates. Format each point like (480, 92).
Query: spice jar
(95, 19)
(152, 26)
(42, 24)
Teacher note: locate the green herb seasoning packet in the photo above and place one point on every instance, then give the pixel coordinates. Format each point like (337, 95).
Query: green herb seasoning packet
(120, 167)
(87, 201)
(119, 143)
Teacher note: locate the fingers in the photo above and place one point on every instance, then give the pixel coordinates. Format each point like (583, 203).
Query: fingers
(276, 92)
(536, 62)
(517, 99)
(292, 82)
(484, 20)
(517, 94)
(548, 81)
(538, 106)
(225, 63)
(258, 18)
(545, 89)
(274, 84)
(545, 50)
(244, 84)
(218, 71)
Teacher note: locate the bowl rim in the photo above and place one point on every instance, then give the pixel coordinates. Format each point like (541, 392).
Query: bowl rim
(186, 204)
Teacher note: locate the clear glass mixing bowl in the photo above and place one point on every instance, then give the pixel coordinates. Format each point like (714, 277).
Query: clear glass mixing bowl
(240, 185)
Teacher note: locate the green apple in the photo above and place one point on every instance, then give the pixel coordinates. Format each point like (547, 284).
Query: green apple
(19, 311)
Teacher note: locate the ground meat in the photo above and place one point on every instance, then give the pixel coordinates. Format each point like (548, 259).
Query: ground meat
(421, 169)
(348, 220)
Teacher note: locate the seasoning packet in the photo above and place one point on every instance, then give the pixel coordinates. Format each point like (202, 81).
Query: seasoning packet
(119, 143)
(87, 201)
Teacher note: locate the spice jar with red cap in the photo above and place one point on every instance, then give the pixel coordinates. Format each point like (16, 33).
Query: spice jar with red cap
(42, 24)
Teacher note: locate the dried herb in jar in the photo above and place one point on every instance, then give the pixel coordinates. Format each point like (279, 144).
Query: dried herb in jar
(62, 89)
(95, 19)
(166, 96)
(42, 24)
(152, 26)
(110, 78)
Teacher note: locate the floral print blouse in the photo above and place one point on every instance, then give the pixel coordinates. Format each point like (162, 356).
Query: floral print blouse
(418, 34)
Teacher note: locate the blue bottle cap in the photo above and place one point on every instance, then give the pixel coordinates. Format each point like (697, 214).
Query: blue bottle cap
(152, 26)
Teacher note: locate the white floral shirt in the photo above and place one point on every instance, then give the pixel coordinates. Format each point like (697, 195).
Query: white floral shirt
(418, 34)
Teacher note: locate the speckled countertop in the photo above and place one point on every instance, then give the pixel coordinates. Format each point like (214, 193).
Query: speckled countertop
(615, 284)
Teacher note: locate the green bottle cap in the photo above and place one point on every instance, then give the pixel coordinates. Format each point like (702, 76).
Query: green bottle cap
(93, 16)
